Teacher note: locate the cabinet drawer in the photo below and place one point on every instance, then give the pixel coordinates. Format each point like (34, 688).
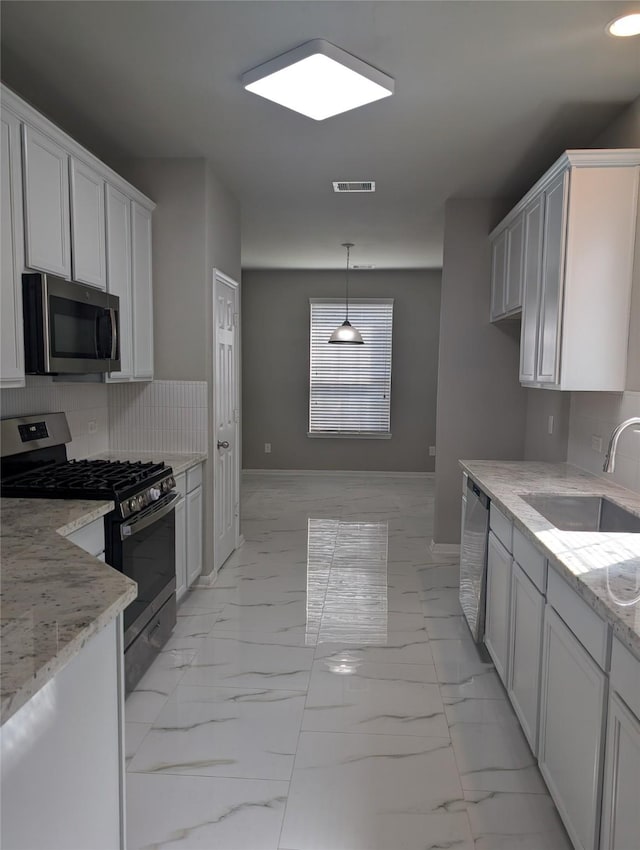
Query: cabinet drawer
(194, 477)
(532, 562)
(181, 483)
(501, 527)
(591, 631)
(90, 537)
(625, 676)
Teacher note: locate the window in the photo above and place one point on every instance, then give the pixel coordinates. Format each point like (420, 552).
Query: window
(350, 385)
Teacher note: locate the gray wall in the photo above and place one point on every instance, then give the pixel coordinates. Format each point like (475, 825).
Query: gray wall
(275, 351)
(481, 405)
(538, 443)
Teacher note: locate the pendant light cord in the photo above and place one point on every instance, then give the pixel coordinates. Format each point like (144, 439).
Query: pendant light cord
(348, 247)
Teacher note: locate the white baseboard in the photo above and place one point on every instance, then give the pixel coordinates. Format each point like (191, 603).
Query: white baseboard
(444, 548)
(207, 580)
(350, 472)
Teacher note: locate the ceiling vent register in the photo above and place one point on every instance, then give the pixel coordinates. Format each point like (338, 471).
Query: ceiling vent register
(354, 186)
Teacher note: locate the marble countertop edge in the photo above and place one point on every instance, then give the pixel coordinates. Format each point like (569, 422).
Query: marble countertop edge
(572, 554)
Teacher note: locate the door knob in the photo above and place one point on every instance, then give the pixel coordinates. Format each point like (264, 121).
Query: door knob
(224, 444)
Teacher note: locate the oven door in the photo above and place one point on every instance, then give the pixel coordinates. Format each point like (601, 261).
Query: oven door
(143, 548)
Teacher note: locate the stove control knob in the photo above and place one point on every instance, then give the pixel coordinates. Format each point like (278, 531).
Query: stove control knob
(141, 501)
(132, 504)
(154, 494)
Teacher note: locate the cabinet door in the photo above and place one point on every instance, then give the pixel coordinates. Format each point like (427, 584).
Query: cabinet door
(11, 340)
(181, 550)
(498, 275)
(550, 323)
(498, 593)
(119, 275)
(142, 293)
(523, 684)
(194, 535)
(621, 809)
(571, 720)
(532, 273)
(87, 225)
(515, 255)
(46, 201)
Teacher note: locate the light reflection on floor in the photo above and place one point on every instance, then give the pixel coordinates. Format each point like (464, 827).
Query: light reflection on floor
(347, 582)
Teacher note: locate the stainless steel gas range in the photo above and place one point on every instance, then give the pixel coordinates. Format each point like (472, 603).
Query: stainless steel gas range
(139, 532)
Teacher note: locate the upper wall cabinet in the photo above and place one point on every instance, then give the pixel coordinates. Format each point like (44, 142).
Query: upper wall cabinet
(578, 235)
(46, 204)
(507, 251)
(87, 225)
(82, 221)
(12, 259)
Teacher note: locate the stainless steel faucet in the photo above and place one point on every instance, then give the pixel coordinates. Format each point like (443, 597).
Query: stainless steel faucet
(610, 458)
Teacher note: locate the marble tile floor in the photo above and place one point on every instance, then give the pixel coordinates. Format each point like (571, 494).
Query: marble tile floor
(325, 694)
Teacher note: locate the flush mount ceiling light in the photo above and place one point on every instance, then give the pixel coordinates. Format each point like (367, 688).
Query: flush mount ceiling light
(346, 334)
(318, 80)
(625, 26)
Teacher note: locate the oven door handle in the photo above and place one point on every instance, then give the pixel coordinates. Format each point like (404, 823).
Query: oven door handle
(151, 515)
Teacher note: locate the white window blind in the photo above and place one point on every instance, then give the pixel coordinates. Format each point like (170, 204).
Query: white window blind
(350, 385)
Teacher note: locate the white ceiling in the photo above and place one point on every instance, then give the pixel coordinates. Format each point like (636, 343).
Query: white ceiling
(488, 94)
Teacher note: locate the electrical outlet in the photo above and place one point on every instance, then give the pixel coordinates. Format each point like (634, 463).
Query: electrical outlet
(267, 448)
(550, 425)
(92, 426)
(432, 451)
(596, 443)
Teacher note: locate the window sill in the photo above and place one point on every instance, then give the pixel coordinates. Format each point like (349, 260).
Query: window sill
(350, 435)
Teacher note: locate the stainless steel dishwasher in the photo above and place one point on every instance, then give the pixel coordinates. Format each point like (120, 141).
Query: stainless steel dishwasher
(473, 558)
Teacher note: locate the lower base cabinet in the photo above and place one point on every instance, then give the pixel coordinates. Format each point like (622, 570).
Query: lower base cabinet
(496, 637)
(62, 756)
(523, 683)
(571, 734)
(621, 802)
(188, 530)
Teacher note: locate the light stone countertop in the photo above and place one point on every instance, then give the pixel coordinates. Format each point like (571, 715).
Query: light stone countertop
(178, 462)
(604, 568)
(55, 596)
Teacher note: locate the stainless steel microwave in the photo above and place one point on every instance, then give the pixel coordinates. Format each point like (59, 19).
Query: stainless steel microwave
(69, 327)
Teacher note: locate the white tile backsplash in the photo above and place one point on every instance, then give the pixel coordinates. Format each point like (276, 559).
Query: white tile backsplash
(168, 416)
(84, 404)
(596, 415)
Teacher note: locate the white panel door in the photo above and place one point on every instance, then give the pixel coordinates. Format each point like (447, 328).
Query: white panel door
(46, 201)
(523, 682)
(142, 292)
(571, 720)
(621, 801)
(498, 275)
(194, 534)
(119, 275)
(87, 225)
(226, 476)
(496, 636)
(12, 259)
(515, 254)
(550, 325)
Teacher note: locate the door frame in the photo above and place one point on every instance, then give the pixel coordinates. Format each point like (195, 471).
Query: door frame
(220, 276)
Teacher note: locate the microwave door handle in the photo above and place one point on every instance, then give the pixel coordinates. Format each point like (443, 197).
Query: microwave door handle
(114, 334)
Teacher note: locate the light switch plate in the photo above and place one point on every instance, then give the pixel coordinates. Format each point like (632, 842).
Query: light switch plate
(596, 443)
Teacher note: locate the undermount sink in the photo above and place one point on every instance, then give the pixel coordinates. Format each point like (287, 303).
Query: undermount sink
(584, 513)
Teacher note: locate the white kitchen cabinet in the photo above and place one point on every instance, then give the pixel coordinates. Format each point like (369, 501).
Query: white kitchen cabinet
(63, 756)
(571, 730)
(194, 534)
(523, 680)
(118, 230)
(181, 547)
(87, 225)
(90, 537)
(531, 280)
(498, 275)
(12, 259)
(579, 235)
(498, 598)
(46, 204)
(142, 292)
(621, 799)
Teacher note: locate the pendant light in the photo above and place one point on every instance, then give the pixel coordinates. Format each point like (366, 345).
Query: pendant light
(346, 334)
